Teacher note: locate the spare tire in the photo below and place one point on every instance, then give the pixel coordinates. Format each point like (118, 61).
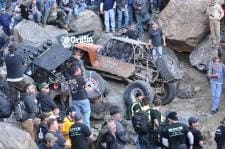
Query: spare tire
(133, 88)
(95, 85)
(167, 92)
(168, 68)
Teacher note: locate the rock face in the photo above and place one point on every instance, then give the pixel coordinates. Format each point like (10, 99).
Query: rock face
(30, 32)
(184, 23)
(15, 138)
(203, 54)
(87, 20)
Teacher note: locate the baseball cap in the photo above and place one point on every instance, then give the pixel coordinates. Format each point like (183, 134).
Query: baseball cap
(42, 85)
(114, 110)
(78, 116)
(193, 119)
(50, 137)
(173, 116)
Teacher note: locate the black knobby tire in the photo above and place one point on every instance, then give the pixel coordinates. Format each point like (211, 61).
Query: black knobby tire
(95, 84)
(108, 89)
(133, 88)
(168, 68)
(168, 93)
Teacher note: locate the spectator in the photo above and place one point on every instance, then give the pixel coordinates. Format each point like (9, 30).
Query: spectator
(137, 105)
(215, 14)
(157, 40)
(220, 135)
(24, 10)
(53, 127)
(50, 142)
(57, 17)
(67, 123)
(156, 120)
(5, 20)
(80, 6)
(198, 138)
(68, 7)
(79, 95)
(143, 141)
(141, 9)
(109, 137)
(132, 32)
(107, 8)
(28, 98)
(122, 10)
(43, 97)
(130, 11)
(79, 133)
(54, 113)
(215, 74)
(176, 133)
(14, 66)
(36, 14)
(42, 128)
(48, 4)
(121, 137)
(17, 17)
(74, 60)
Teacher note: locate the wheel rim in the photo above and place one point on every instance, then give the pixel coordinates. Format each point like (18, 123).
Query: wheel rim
(91, 84)
(134, 93)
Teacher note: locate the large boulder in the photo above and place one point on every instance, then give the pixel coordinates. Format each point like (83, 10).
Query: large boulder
(87, 20)
(185, 23)
(14, 138)
(203, 54)
(30, 32)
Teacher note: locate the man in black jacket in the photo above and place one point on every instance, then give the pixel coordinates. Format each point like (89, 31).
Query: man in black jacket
(43, 97)
(14, 66)
(79, 95)
(28, 98)
(220, 135)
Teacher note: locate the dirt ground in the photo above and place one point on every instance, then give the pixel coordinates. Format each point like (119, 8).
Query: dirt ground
(199, 105)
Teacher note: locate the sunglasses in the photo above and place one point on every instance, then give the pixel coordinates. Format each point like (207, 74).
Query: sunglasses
(46, 87)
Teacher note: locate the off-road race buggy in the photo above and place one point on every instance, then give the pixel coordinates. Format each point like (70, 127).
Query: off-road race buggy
(46, 64)
(132, 60)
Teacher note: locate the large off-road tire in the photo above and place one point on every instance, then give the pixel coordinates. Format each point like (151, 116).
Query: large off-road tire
(133, 88)
(108, 89)
(168, 68)
(166, 92)
(95, 85)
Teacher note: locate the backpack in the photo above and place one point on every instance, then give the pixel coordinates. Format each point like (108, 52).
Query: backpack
(98, 141)
(5, 107)
(141, 122)
(20, 112)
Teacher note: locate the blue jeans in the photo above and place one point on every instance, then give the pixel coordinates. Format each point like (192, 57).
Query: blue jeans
(141, 144)
(109, 17)
(83, 106)
(130, 12)
(216, 91)
(79, 7)
(16, 20)
(157, 52)
(68, 12)
(120, 14)
(141, 19)
(37, 16)
(157, 3)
